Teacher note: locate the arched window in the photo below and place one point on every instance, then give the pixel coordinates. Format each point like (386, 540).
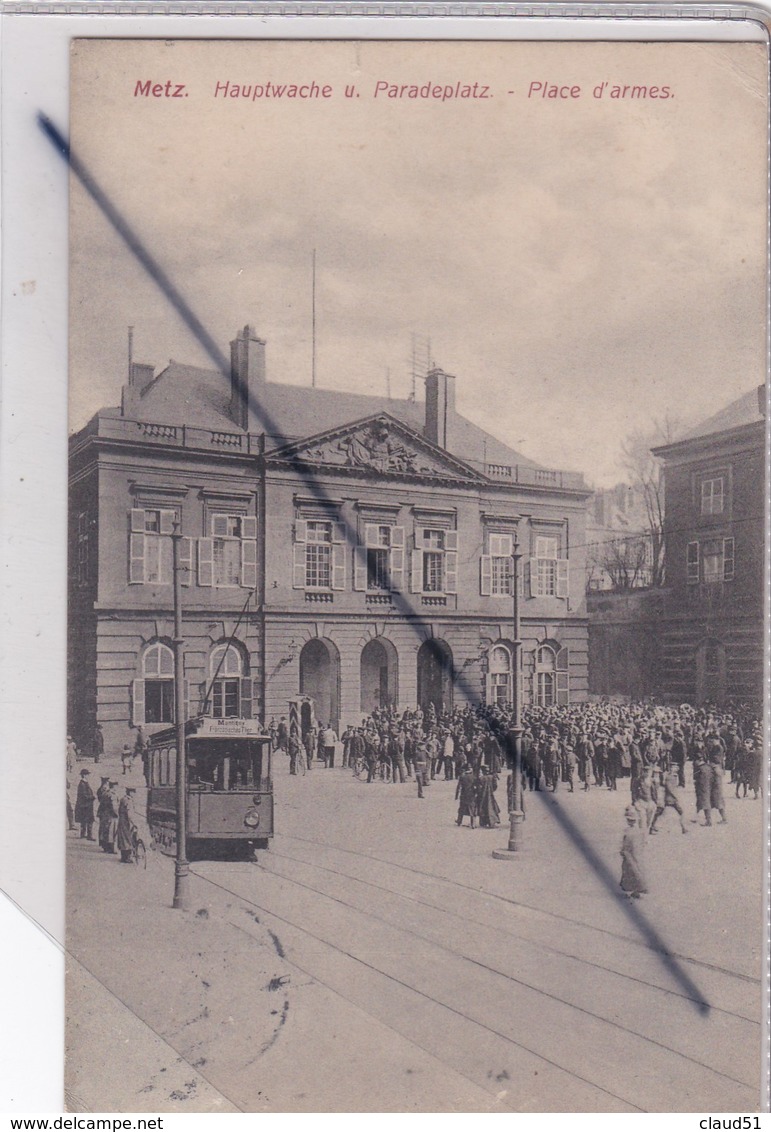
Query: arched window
(158, 673)
(499, 676)
(546, 676)
(226, 663)
(551, 678)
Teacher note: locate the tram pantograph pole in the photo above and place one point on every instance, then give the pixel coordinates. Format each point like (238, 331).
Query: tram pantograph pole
(181, 865)
(516, 814)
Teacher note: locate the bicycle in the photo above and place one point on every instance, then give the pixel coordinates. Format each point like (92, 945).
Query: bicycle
(138, 851)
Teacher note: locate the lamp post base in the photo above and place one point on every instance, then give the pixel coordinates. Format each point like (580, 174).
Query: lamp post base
(514, 848)
(181, 886)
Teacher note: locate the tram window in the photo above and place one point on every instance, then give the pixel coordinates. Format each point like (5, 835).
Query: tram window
(225, 766)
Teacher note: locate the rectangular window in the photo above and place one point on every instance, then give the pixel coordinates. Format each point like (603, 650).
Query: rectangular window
(432, 571)
(693, 563)
(226, 549)
(435, 561)
(713, 496)
(228, 556)
(150, 553)
(718, 560)
(159, 701)
(549, 574)
(318, 555)
(501, 575)
(225, 699)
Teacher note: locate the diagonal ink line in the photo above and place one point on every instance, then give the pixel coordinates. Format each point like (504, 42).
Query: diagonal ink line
(414, 618)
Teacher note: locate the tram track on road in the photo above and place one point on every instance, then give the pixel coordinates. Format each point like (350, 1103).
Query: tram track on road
(524, 937)
(561, 917)
(486, 970)
(411, 990)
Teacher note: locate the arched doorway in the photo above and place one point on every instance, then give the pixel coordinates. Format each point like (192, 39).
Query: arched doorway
(435, 675)
(320, 679)
(378, 675)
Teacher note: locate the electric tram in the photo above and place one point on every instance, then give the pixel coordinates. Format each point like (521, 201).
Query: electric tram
(229, 789)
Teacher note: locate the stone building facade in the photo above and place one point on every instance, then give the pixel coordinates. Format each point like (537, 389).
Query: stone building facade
(712, 631)
(350, 549)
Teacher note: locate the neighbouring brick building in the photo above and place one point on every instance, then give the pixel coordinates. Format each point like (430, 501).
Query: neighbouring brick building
(347, 548)
(712, 631)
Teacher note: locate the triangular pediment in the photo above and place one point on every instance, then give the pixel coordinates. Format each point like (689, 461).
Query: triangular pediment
(379, 445)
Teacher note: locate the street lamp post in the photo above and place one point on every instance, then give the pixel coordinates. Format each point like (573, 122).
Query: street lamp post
(516, 813)
(181, 865)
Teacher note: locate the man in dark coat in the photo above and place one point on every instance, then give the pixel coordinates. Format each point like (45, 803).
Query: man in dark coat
(466, 792)
(84, 807)
(702, 781)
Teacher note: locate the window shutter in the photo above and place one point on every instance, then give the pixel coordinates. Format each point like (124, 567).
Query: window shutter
(396, 566)
(300, 530)
(186, 560)
(245, 706)
(136, 558)
(531, 576)
(486, 575)
(298, 566)
(249, 563)
(562, 577)
(416, 581)
(167, 522)
(728, 559)
(451, 541)
(692, 561)
(338, 566)
(137, 519)
(205, 562)
(137, 702)
(360, 567)
(419, 542)
(563, 687)
(256, 698)
(202, 690)
(249, 526)
(339, 534)
(451, 572)
(219, 526)
(397, 537)
(371, 531)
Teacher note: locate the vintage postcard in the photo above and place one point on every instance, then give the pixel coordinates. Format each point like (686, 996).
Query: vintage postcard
(415, 746)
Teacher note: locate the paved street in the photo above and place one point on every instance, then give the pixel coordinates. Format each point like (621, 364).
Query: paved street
(377, 958)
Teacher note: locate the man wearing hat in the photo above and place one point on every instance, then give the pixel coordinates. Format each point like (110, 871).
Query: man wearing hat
(84, 807)
(107, 813)
(126, 824)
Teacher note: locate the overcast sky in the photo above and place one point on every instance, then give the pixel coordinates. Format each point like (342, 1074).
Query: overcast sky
(582, 265)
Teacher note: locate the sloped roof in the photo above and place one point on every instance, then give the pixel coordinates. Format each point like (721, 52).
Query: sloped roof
(743, 411)
(201, 398)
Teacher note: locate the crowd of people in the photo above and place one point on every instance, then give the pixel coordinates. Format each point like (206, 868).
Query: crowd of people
(643, 747)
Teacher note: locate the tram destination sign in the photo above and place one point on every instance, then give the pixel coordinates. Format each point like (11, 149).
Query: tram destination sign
(207, 727)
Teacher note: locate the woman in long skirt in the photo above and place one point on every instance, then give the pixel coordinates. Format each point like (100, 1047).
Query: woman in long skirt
(633, 879)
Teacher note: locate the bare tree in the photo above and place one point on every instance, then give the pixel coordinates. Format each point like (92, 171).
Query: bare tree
(646, 472)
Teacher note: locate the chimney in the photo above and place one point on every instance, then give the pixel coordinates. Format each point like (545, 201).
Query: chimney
(140, 376)
(247, 376)
(440, 405)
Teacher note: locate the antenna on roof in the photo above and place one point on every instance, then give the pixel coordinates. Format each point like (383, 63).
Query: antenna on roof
(130, 349)
(421, 361)
(313, 319)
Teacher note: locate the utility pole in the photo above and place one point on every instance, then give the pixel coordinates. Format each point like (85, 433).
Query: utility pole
(514, 738)
(181, 864)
